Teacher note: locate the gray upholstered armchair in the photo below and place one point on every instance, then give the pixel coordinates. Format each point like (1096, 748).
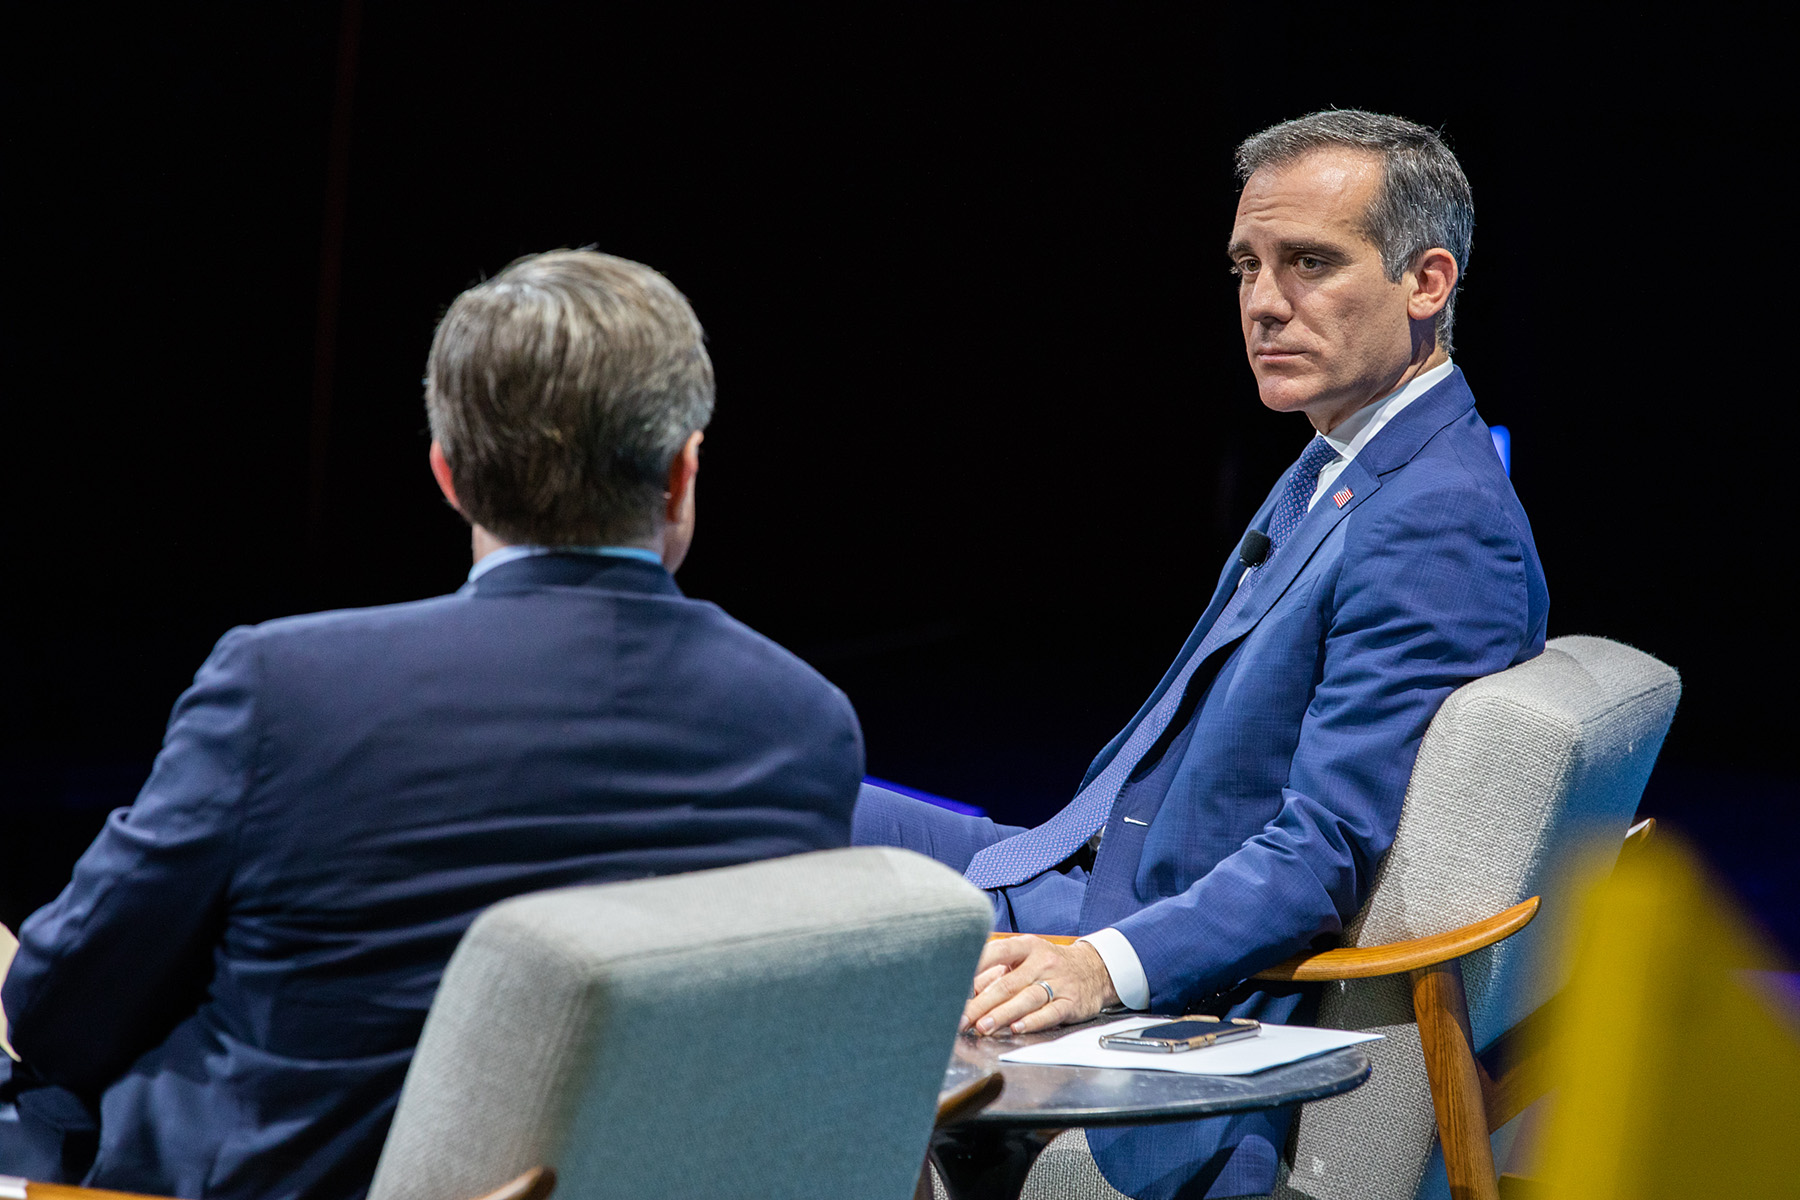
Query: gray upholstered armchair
(774, 1029)
(1517, 772)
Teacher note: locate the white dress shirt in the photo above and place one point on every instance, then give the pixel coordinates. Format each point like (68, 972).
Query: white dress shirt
(506, 554)
(1348, 438)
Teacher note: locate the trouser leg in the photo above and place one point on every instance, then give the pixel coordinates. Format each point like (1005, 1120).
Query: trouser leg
(885, 818)
(1049, 903)
(46, 1134)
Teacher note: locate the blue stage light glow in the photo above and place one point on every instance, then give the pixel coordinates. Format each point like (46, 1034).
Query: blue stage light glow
(927, 797)
(1503, 446)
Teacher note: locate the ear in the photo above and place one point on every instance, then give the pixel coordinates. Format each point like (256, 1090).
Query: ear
(1434, 279)
(440, 471)
(681, 477)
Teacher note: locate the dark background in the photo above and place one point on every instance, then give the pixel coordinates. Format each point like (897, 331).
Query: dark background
(984, 429)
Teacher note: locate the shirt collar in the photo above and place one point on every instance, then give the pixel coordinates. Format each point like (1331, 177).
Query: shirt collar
(506, 554)
(1360, 427)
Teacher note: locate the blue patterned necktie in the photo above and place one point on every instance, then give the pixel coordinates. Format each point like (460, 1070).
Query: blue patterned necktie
(1035, 851)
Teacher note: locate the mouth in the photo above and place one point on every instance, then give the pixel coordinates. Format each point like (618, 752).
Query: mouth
(1274, 357)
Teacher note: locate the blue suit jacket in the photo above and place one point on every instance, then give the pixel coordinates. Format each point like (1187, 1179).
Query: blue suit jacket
(241, 966)
(1257, 828)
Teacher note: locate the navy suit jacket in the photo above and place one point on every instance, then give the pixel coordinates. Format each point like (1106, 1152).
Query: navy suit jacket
(1255, 829)
(241, 966)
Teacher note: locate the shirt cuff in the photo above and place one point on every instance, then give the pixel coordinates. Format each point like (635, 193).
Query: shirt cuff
(1122, 964)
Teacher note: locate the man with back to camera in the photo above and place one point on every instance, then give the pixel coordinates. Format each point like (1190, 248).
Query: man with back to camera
(239, 970)
(1242, 813)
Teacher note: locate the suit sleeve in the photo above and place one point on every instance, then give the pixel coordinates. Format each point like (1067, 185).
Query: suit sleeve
(106, 970)
(1431, 593)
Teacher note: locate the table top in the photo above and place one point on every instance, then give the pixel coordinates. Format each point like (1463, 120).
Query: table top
(1044, 1096)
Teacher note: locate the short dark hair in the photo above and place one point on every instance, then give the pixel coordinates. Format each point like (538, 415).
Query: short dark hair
(560, 392)
(1424, 199)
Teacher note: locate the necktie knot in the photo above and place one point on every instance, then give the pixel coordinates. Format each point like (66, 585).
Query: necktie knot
(1313, 459)
(1290, 510)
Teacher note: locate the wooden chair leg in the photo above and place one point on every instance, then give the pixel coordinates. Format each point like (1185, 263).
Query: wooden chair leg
(1442, 1010)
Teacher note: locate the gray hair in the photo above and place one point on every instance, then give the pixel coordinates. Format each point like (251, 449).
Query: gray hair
(1424, 199)
(561, 391)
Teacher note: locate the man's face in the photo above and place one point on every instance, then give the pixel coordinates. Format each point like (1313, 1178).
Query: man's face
(1325, 330)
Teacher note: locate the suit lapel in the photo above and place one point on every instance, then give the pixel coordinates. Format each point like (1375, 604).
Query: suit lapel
(1220, 595)
(1417, 424)
(1222, 591)
(1268, 586)
(1388, 451)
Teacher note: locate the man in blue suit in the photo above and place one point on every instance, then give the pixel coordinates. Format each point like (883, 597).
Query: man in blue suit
(1241, 814)
(237, 974)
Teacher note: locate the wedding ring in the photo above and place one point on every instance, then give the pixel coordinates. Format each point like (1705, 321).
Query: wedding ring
(1049, 992)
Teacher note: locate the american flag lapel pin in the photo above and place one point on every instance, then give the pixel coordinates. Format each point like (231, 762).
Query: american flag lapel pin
(1341, 497)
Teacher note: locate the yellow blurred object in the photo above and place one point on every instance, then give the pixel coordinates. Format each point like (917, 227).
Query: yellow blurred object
(1676, 1047)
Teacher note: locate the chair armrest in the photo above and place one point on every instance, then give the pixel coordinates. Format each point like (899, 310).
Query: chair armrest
(968, 1099)
(535, 1184)
(65, 1191)
(1366, 962)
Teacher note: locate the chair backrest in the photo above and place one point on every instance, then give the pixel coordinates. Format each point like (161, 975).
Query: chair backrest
(774, 1029)
(1516, 772)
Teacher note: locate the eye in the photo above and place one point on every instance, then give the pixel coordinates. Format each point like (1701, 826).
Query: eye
(1307, 262)
(1244, 268)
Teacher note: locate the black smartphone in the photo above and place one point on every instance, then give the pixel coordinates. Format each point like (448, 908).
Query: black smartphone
(1189, 1033)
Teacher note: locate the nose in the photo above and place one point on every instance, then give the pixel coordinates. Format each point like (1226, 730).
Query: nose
(1264, 301)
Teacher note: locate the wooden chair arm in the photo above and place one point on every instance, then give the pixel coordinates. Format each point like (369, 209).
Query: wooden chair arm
(965, 1101)
(1367, 962)
(968, 1099)
(67, 1191)
(535, 1184)
(1058, 938)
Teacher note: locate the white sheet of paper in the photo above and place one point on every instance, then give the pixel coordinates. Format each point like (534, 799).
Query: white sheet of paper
(1275, 1046)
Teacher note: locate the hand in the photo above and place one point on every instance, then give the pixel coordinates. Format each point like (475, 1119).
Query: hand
(9, 946)
(1008, 991)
